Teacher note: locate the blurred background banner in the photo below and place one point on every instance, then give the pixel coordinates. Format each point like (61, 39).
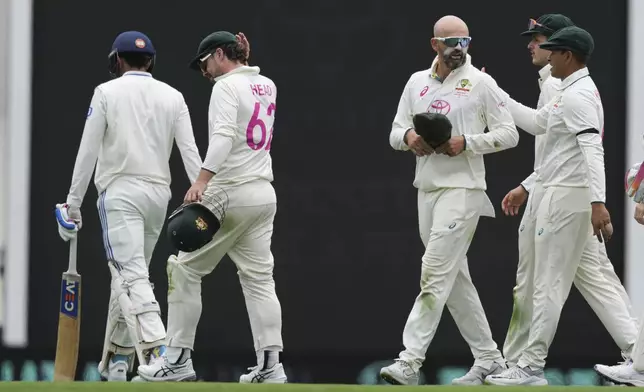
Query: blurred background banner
(634, 151)
(17, 150)
(3, 150)
(346, 240)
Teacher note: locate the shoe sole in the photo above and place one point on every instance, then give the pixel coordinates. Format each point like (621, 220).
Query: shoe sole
(615, 381)
(191, 378)
(390, 380)
(486, 382)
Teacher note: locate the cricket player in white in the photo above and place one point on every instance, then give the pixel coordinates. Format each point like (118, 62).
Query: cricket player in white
(631, 371)
(573, 180)
(241, 118)
(451, 198)
(132, 123)
(595, 279)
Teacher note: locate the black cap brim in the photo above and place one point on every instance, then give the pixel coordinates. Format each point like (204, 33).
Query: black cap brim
(194, 63)
(536, 30)
(554, 46)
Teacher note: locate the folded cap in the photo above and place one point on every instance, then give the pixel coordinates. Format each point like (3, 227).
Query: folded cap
(210, 43)
(549, 23)
(573, 38)
(133, 42)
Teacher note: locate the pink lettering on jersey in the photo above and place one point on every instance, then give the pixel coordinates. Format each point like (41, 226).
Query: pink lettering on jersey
(261, 89)
(257, 122)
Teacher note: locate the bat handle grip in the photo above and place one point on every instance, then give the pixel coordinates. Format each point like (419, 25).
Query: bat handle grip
(72, 256)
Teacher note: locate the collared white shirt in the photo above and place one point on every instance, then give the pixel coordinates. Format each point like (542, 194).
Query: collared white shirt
(573, 123)
(240, 119)
(472, 101)
(549, 87)
(131, 125)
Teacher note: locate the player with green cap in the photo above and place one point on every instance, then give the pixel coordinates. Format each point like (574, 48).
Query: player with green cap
(574, 191)
(237, 167)
(596, 279)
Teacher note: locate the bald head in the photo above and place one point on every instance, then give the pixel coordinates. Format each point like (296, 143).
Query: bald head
(451, 26)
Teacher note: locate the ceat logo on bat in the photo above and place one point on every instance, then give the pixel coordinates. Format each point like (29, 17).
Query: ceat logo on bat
(139, 43)
(69, 298)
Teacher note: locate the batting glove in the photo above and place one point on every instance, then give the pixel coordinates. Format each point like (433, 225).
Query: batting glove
(69, 221)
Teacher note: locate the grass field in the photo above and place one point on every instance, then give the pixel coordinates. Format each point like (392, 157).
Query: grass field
(233, 387)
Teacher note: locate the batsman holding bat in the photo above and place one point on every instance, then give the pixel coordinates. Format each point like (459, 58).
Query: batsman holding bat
(238, 171)
(450, 177)
(595, 279)
(574, 193)
(131, 125)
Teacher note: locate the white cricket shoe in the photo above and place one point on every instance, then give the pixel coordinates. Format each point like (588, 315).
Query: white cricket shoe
(622, 374)
(160, 369)
(117, 371)
(477, 374)
(518, 376)
(272, 375)
(400, 373)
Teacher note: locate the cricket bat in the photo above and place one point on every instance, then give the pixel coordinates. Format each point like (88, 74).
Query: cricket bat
(69, 320)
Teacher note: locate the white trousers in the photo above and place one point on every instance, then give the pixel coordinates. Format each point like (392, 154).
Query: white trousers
(595, 279)
(246, 237)
(448, 220)
(132, 214)
(638, 349)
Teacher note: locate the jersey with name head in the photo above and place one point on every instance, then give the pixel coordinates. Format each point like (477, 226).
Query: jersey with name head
(241, 118)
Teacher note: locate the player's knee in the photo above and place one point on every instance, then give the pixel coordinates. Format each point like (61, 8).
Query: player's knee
(259, 283)
(184, 285)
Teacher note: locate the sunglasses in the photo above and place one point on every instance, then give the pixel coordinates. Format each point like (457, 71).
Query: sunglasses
(204, 59)
(453, 42)
(533, 24)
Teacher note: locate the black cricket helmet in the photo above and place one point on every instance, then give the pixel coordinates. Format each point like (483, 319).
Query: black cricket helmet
(193, 225)
(130, 42)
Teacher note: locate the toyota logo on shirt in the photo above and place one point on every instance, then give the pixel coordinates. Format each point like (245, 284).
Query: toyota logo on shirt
(439, 106)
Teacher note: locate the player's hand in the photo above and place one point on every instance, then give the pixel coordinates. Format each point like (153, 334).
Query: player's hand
(243, 42)
(69, 221)
(454, 146)
(483, 69)
(417, 144)
(195, 193)
(514, 200)
(639, 213)
(600, 219)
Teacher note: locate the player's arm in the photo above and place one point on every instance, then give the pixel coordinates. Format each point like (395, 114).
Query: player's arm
(528, 183)
(222, 121)
(502, 131)
(581, 119)
(530, 120)
(93, 133)
(185, 139)
(403, 121)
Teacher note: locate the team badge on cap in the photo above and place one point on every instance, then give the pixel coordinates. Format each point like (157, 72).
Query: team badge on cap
(139, 43)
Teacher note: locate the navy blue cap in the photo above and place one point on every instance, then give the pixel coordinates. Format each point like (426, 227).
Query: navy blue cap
(133, 42)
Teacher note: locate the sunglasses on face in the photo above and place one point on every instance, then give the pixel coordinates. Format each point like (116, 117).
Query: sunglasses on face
(453, 42)
(533, 24)
(204, 60)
